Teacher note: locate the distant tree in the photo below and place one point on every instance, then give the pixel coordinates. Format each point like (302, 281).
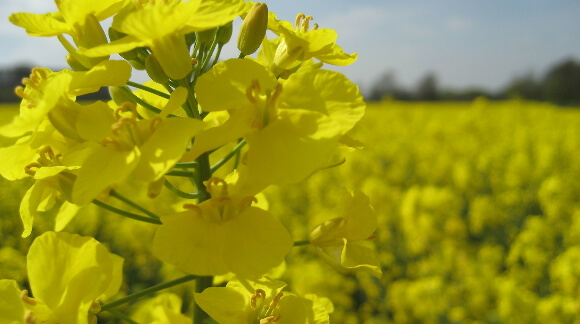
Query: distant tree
(562, 82)
(387, 86)
(427, 88)
(524, 86)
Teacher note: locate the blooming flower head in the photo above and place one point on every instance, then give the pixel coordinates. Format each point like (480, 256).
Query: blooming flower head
(162, 26)
(222, 234)
(345, 236)
(77, 18)
(148, 148)
(292, 127)
(68, 273)
(261, 301)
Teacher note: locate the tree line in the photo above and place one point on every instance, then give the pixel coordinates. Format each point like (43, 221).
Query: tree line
(560, 84)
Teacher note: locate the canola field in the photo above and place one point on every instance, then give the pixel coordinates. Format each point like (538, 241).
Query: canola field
(478, 206)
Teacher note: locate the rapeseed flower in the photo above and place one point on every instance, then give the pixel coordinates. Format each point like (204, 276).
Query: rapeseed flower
(345, 237)
(222, 234)
(261, 301)
(292, 127)
(162, 26)
(68, 274)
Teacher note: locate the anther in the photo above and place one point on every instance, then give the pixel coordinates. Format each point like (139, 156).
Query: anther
(46, 154)
(276, 300)
(29, 317)
(217, 187)
(247, 202)
(253, 91)
(193, 207)
(299, 18)
(275, 94)
(26, 299)
(270, 319)
(315, 27)
(155, 122)
(109, 140)
(28, 169)
(259, 294)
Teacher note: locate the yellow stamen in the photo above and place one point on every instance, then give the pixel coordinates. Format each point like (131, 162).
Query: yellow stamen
(28, 169)
(259, 295)
(298, 20)
(26, 299)
(193, 207)
(29, 317)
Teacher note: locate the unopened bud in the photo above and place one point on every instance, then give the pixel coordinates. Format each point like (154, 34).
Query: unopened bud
(119, 96)
(287, 57)
(224, 33)
(74, 64)
(206, 36)
(154, 70)
(115, 35)
(253, 29)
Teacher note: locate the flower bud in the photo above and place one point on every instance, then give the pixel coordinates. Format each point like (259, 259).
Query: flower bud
(154, 70)
(115, 35)
(287, 57)
(119, 96)
(253, 29)
(206, 36)
(224, 33)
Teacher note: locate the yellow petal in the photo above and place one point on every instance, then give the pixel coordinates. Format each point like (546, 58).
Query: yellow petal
(45, 25)
(360, 255)
(11, 305)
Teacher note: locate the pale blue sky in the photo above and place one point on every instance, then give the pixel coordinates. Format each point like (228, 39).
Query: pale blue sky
(466, 43)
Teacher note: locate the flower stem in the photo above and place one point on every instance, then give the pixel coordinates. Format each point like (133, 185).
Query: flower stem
(126, 213)
(121, 316)
(148, 291)
(182, 194)
(129, 202)
(148, 89)
(301, 243)
(181, 173)
(226, 158)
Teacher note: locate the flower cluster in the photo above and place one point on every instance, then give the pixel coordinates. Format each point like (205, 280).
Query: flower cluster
(231, 129)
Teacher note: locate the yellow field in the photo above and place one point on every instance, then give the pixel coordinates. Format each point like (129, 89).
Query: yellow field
(478, 206)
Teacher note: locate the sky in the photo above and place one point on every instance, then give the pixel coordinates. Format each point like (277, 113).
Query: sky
(475, 43)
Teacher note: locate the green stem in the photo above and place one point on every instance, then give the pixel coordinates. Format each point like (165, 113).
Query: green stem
(126, 213)
(148, 89)
(182, 194)
(228, 156)
(200, 285)
(242, 55)
(129, 202)
(186, 164)
(217, 55)
(301, 243)
(121, 316)
(148, 291)
(181, 173)
(191, 106)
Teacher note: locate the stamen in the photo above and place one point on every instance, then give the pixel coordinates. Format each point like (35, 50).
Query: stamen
(109, 140)
(217, 187)
(315, 27)
(29, 317)
(299, 18)
(247, 202)
(155, 122)
(95, 307)
(19, 91)
(46, 155)
(270, 319)
(26, 299)
(193, 207)
(306, 23)
(126, 107)
(275, 94)
(28, 169)
(276, 300)
(259, 294)
(372, 237)
(253, 91)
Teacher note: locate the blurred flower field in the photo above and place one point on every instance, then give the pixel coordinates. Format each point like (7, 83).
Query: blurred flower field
(478, 206)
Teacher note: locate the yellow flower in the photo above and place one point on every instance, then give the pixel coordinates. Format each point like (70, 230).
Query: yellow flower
(68, 273)
(78, 18)
(165, 308)
(345, 236)
(148, 148)
(292, 127)
(301, 43)
(261, 301)
(162, 25)
(222, 234)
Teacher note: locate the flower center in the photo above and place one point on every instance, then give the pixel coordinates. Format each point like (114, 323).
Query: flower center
(34, 84)
(264, 103)
(265, 312)
(303, 23)
(128, 132)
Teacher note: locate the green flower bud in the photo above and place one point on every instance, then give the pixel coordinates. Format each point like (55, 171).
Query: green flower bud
(119, 96)
(224, 33)
(115, 35)
(253, 29)
(74, 64)
(154, 70)
(206, 36)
